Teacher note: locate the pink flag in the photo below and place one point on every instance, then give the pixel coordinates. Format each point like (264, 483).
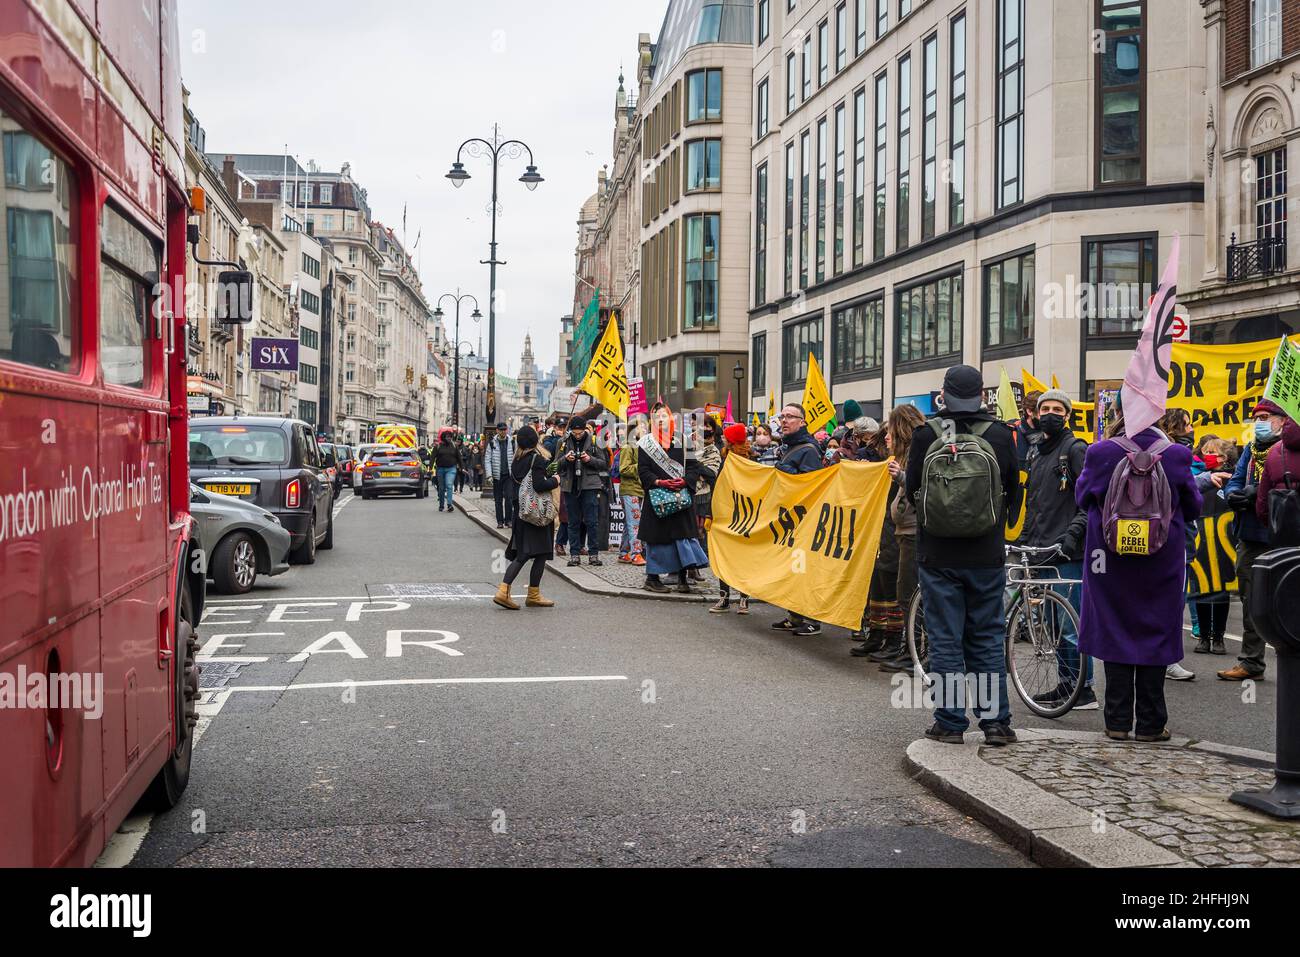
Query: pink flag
(728, 418)
(1146, 383)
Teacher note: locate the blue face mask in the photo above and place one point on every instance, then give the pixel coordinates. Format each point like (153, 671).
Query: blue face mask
(1263, 430)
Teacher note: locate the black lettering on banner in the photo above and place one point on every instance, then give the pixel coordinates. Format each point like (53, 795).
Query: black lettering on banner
(788, 522)
(829, 536)
(853, 525)
(1257, 373)
(1233, 369)
(744, 513)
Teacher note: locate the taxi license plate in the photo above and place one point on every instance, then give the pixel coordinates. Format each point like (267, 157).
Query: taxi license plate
(390, 474)
(231, 488)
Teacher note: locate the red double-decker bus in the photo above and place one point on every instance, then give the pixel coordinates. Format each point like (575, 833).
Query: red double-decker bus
(100, 586)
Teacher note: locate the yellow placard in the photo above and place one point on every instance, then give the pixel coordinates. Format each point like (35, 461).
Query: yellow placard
(606, 378)
(1133, 537)
(805, 543)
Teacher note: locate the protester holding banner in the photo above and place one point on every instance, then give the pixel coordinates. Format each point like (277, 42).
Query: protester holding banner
(960, 552)
(737, 445)
(1242, 495)
(1216, 460)
(631, 492)
(799, 455)
(668, 527)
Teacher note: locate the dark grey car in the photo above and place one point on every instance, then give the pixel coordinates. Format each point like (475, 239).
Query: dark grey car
(271, 462)
(394, 470)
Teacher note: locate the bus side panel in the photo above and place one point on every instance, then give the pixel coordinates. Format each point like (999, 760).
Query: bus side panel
(133, 543)
(49, 448)
(55, 79)
(53, 793)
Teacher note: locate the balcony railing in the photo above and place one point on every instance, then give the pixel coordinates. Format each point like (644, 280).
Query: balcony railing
(1263, 257)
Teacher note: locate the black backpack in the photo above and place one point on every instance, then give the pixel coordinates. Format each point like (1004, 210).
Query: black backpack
(1284, 510)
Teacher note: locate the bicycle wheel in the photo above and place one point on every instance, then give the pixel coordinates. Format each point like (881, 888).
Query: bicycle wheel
(917, 644)
(1035, 637)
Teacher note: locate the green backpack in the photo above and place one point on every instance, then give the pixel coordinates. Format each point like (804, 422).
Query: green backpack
(961, 484)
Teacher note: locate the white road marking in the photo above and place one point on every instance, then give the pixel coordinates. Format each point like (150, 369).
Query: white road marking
(342, 504)
(305, 686)
(226, 603)
(124, 844)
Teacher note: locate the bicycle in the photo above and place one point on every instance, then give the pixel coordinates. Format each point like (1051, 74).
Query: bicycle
(1035, 615)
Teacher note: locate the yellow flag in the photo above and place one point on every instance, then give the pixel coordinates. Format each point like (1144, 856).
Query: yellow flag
(771, 404)
(805, 543)
(1056, 384)
(818, 408)
(606, 378)
(1008, 411)
(1032, 384)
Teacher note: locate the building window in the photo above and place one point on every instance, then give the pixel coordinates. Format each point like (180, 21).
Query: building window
(304, 193)
(1265, 31)
(1120, 92)
(805, 181)
(807, 67)
(841, 37)
(821, 199)
(1009, 138)
(702, 374)
(309, 337)
(789, 218)
(40, 322)
(929, 133)
(798, 341)
(309, 302)
(859, 173)
(1009, 294)
(882, 18)
(703, 96)
(307, 374)
(791, 83)
(760, 236)
(860, 27)
(929, 319)
(904, 152)
(1270, 196)
(710, 24)
(286, 192)
(701, 310)
(882, 157)
(764, 20)
(858, 338)
(904, 8)
(668, 375)
(326, 193)
(307, 411)
(761, 129)
(957, 126)
(1120, 279)
(838, 211)
(758, 364)
(311, 266)
(823, 52)
(703, 165)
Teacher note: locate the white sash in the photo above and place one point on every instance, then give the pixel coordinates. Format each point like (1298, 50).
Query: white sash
(650, 447)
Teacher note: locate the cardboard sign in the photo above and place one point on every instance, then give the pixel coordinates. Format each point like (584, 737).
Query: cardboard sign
(636, 392)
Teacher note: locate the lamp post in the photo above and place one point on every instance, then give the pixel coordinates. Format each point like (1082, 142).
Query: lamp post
(738, 373)
(455, 389)
(513, 149)
(476, 316)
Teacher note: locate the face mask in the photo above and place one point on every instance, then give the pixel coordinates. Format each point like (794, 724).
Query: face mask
(1052, 424)
(1211, 461)
(1263, 430)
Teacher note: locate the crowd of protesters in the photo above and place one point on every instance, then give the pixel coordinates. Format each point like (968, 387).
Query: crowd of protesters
(667, 465)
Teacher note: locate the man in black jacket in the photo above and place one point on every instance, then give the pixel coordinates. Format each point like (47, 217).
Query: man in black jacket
(582, 463)
(1052, 517)
(962, 579)
(799, 454)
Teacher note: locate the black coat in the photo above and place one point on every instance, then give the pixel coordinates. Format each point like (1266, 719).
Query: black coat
(802, 454)
(664, 531)
(446, 455)
(528, 541)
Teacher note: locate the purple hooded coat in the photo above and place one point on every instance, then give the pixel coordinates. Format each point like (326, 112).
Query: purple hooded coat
(1132, 613)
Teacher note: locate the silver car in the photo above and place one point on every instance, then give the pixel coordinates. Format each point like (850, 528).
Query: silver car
(241, 540)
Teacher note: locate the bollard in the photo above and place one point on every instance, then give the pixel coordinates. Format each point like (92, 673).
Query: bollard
(1275, 610)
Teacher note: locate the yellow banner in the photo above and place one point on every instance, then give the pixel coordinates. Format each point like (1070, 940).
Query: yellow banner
(805, 543)
(1030, 383)
(606, 379)
(818, 408)
(1221, 385)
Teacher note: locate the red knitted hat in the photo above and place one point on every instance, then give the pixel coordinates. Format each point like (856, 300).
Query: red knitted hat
(735, 434)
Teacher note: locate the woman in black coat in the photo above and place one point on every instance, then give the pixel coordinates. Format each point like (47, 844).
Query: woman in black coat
(671, 545)
(528, 542)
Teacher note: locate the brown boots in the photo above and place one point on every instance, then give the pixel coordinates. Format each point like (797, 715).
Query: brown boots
(535, 599)
(502, 597)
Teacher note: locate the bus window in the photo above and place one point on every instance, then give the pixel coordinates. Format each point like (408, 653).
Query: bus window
(38, 260)
(128, 272)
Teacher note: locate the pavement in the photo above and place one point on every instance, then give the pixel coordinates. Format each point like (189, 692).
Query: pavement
(377, 709)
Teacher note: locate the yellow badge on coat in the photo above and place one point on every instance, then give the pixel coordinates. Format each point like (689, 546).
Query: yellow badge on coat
(1133, 537)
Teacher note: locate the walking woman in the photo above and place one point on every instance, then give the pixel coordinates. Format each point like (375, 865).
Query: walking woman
(1132, 608)
(668, 525)
(528, 542)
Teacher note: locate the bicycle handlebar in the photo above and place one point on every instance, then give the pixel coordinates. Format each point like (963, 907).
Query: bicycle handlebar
(1032, 550)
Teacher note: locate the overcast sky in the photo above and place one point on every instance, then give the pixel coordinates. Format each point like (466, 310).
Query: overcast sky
(394, 87)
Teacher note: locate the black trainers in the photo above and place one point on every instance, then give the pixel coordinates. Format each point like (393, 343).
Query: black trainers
(1051, 699)
(1202, 647)
(1216, 647)
(785, 624)
(656, 586)
(859, 651)
(808, 629)
(999, 735)
(594, 561)
(938, 732)
(1087, 701)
